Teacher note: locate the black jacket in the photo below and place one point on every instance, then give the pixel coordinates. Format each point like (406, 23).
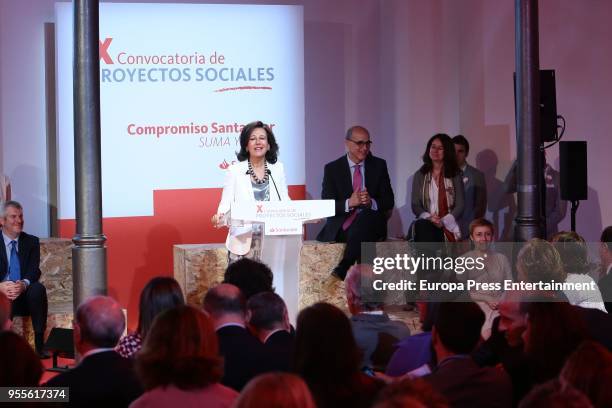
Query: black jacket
(104, 379)
(337, 185)
(28, 249)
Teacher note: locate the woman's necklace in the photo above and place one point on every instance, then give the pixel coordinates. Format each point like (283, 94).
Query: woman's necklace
(251, 171)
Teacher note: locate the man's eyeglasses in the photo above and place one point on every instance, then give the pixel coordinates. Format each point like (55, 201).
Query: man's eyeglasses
(361, 143)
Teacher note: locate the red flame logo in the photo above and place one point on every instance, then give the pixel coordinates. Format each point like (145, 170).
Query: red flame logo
(224, 165)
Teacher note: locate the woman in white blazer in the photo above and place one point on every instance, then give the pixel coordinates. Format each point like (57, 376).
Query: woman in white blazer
(258, 176)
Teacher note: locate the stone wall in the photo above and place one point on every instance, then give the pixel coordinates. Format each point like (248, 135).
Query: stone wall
(56, 275)
(199, 267)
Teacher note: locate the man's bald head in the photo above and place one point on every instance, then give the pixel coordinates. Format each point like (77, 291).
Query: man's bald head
(224, 299)
(101, 321)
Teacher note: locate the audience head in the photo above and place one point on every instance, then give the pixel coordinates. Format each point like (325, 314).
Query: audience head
(325, 349)
(267, 311)
(573, 251)
(225, 303)
(250, 276)
(462, 149)
(554, 330)
(410, 393)
(11, 218)
(440, 148)
(358, 143)
(457, 328)
(589, 369)
(181, 349)
(19, 364)
(245, 135)
(482, 232)
(360, 294)
(278, 390)
(538, 260)
(512, 318)
(428, 313)
(161, 293)
(99, 323)
(605, 249)
(554, 394)
(5, 312)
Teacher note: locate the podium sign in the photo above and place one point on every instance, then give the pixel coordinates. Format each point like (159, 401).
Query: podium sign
(282, 217)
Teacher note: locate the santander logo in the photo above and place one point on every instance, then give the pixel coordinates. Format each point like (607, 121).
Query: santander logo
(224, 165)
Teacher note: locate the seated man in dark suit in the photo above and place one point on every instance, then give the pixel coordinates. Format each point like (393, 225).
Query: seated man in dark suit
(267, 317)
(475, 196)
(242, 352)
(102, 378)
(360, 185)
(20, 272)
(375, 333)
(455, 334)
(605, 281)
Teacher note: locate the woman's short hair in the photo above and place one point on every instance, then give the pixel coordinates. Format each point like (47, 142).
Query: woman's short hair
(180, 349)
(19, 365)
(279, 390)
(451, 169)
(159, 294)
(245, 134)
(539, 260)
(573, 251)
(481, 222)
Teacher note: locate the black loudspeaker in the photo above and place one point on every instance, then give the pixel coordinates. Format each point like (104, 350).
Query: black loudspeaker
(61, 344)
(548, 105)
(573, 169)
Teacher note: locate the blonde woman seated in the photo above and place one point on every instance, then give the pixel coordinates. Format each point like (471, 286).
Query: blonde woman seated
(575, 258)
(258, 176)
(497, 269)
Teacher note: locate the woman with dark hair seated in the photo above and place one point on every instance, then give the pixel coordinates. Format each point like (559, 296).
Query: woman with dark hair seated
(179, 364)
(437, 193)
(160, 294)
(328, 359)
(258, 176)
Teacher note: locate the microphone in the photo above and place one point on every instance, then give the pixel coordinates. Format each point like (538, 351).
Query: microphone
(273, 182)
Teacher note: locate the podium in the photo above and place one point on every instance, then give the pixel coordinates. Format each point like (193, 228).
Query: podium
(282, 238)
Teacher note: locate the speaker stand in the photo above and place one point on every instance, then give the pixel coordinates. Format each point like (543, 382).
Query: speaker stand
(575, 204)
(57, 368)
